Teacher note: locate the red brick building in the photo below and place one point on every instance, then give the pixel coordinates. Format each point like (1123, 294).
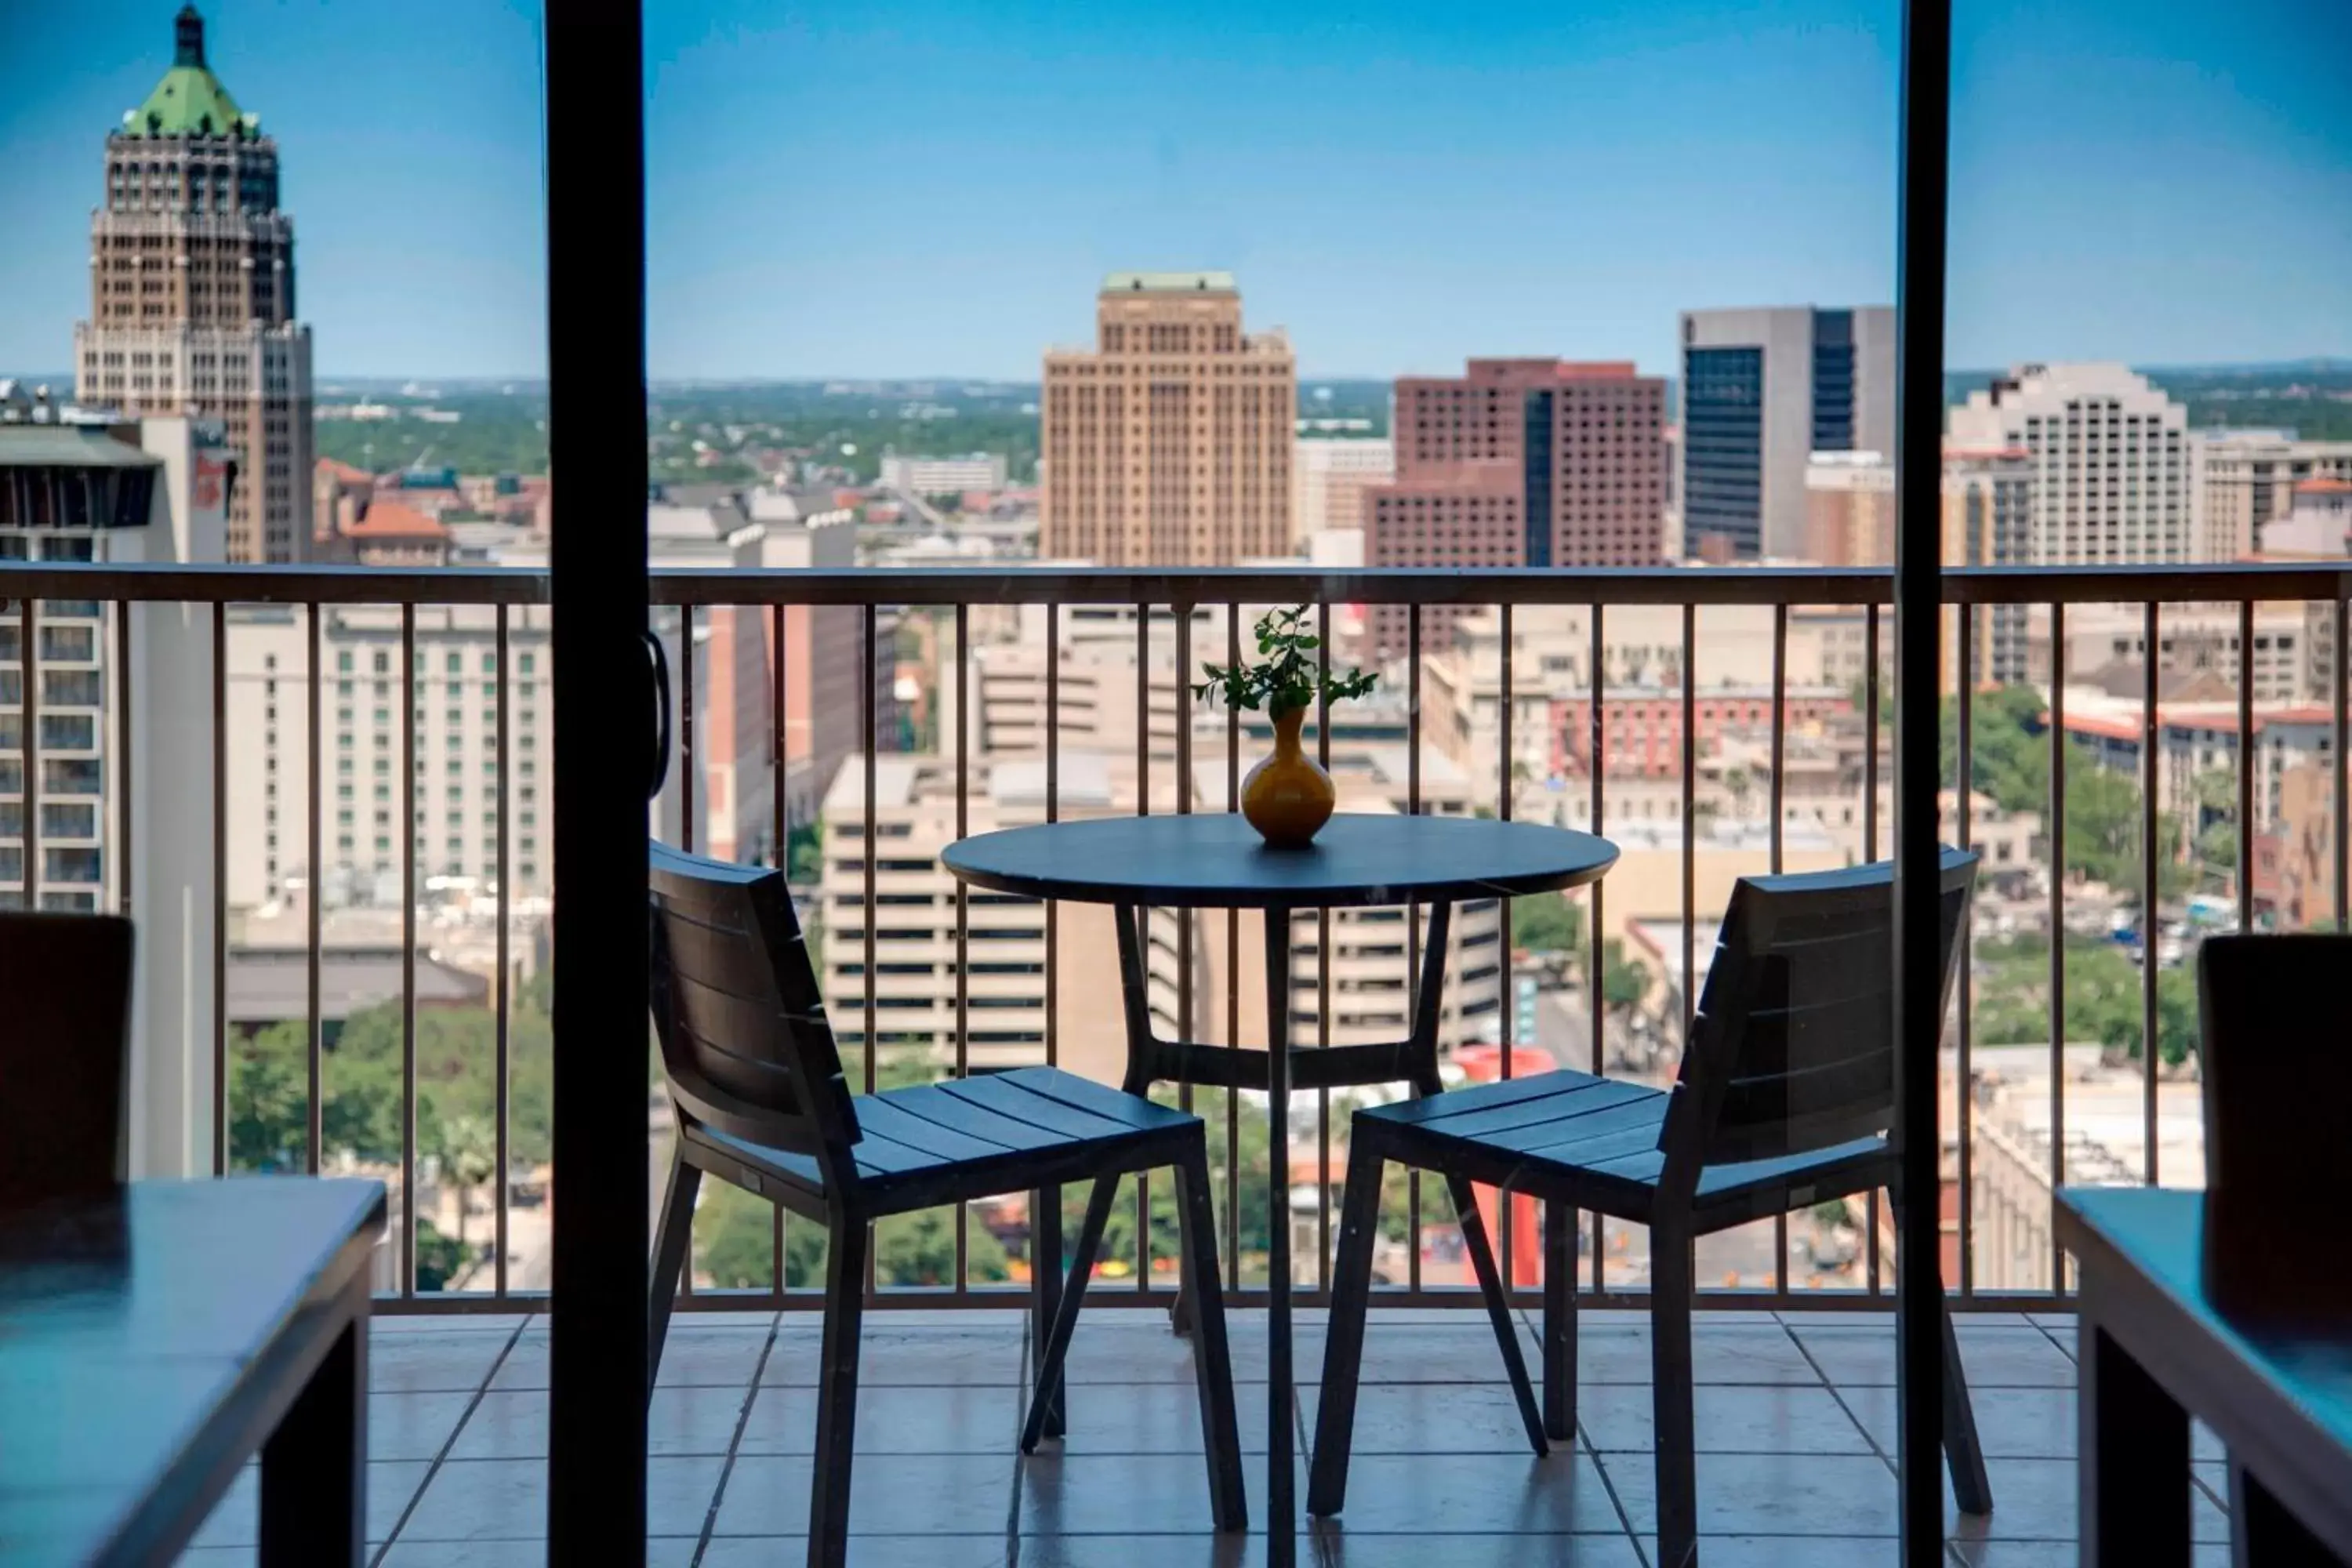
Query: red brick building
(1644, 724)
(1518, 462)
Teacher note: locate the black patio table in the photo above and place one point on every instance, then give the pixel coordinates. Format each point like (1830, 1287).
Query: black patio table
(154, 1338)
(1216, 862)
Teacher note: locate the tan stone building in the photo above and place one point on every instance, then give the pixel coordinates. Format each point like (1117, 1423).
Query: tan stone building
(191, 294)
(1169, 442)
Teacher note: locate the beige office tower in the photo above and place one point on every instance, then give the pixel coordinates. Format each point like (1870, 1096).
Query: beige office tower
(1168, 443)
(191, 294)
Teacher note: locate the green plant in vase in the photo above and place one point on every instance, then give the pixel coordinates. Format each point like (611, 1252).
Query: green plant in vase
(1288, 797)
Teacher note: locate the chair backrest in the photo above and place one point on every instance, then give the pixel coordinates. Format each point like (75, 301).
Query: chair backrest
(65, 986)
(737, 1010)
(1793, 1047)
(2276, 1080)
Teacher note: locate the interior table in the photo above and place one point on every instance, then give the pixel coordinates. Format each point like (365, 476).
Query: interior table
(1216, 862)
(2155, 1350)
(152, 1339)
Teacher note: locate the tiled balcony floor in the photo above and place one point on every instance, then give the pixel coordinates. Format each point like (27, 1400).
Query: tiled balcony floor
(1796, 1415)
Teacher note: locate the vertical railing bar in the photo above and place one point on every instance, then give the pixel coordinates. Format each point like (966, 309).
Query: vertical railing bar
(1184, 918)
(962, 911)
(1183, 613)
(2248, 761)
(780, 838)
(503, 1041)
(220, 861)
(2057, 932)
(778, 748)
(314, 1034)
(868, 666)
(411, 693)
(1045, 1227)
(1870, 697)
(1412, 942)
(1143, 917)
(1506, 1008)
(1963, 1074)
(1780, 1274)
(689, 761)
(1233, 975)
(2343, 791)
(2151, 632)
(1597, 745)
(28, 707)
(1690, 815)
(122, 758)
(1322, 976)
(1052, 813)
(1870, 700)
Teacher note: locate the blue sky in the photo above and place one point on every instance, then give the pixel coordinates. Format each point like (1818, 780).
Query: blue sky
(905, 188)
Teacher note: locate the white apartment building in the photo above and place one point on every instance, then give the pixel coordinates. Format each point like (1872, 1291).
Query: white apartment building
(944, 475)
(1328, 477)
(2191, 639)
(1641, 645)
(2106, 460)
(453, 691)
(2245, 479)
(914, 985)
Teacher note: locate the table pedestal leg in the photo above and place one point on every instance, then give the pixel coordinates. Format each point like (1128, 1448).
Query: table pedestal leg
(2263, 1534)
(314, 1467)
(1281, 1510)
(2133, 1460)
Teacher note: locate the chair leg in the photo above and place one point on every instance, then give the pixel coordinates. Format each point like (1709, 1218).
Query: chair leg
(1559, 1323)
(837, 1407)
(1212, 1368)
(1498, 1309)
(1343, 1345)
(1972, 1486)
(1046, 1286)
(1048, 1393)
(1675, 1425)
(672, 1238)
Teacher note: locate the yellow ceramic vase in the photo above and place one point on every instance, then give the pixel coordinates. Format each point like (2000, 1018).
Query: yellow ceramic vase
(1288, 797)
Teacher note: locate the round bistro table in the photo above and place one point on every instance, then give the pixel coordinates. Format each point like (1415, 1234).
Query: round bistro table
(1216, 862)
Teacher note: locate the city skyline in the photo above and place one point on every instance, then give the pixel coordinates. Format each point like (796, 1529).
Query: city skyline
(1269, 147)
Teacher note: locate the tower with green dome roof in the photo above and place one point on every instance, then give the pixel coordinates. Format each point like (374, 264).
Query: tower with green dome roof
(192, 292)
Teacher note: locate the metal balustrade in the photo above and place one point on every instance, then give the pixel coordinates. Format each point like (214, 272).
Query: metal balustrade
(952, 594)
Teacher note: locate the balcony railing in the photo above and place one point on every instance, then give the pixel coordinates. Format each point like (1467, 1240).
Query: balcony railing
(141, 797)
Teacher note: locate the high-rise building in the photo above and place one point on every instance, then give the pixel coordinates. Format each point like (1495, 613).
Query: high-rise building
(1849, 509)
(118, 723)
(2244, 478)
(1168, 443)
(138, 493)
(461, 802)
(192, 293)
(1987, 521)
(1518, 462)
(1762, 391)
(1329, 475)
(2106, 459)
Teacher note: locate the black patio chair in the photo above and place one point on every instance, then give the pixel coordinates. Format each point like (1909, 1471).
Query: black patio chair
(762, 1102)
(1784, 1100)
(65, 1057)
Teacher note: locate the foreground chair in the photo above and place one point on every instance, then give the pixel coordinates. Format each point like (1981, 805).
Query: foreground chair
(762, 1102)
(65, 1056)
(1784, 1100)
